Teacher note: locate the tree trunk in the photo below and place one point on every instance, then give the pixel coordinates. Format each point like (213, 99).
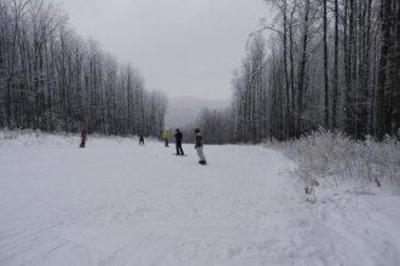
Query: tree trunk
(302, 70)
(326, 66)
(383, 81)
(336, 70)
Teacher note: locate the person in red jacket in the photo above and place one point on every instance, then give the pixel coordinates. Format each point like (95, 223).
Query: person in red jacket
(83, 138)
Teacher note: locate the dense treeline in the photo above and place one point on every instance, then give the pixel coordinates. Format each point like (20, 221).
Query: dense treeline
(51, 79)
(326, 63)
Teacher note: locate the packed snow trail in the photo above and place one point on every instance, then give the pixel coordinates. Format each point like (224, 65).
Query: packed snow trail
(116, 203)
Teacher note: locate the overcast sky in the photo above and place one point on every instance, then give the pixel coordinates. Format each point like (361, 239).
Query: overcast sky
(182, 47)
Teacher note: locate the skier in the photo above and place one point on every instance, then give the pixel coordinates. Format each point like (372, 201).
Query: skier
(165, 136)
(83, 139)
(178, 137)
(199, 146)
(141, 140)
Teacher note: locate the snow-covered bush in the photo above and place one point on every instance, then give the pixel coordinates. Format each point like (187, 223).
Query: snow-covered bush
(330, 158)
(30, 137)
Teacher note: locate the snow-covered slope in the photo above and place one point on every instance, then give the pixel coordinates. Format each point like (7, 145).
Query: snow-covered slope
(183, 111)
(116, 203)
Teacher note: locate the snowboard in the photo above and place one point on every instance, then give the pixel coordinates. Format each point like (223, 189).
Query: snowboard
(185, 155)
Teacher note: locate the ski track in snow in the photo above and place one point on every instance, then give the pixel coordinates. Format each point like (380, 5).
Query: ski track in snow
(116, 203)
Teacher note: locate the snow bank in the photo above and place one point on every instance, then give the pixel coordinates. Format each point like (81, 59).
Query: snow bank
(30, 137)
(355, 187)
(331, 159)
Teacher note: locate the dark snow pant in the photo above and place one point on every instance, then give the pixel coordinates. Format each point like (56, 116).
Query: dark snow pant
(166, 143)
(179, 150)
(83, 144)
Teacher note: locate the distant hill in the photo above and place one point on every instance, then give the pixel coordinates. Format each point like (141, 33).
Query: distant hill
(183, 111)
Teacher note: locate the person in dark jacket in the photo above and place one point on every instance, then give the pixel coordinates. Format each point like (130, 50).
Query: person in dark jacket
(83, 138)
(141, 140)
(199, 146)
(178, 138)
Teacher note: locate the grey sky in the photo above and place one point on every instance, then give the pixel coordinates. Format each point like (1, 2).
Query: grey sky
(182, 47)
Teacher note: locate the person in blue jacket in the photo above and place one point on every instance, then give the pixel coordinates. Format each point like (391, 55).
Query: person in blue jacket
(178, 140)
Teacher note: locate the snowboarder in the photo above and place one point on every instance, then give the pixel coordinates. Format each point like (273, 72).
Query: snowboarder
(141, 140)
(83, 139)
(178, 137)
(165, 136)
(199, 146)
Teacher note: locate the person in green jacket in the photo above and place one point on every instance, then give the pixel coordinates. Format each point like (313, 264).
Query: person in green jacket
(165, 136)
(199, 146)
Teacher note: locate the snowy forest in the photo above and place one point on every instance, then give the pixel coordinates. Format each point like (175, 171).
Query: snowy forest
(53, 80)
(333, 64)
